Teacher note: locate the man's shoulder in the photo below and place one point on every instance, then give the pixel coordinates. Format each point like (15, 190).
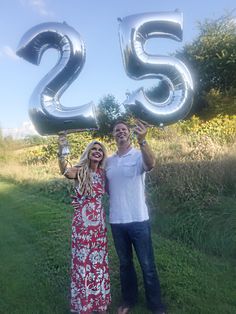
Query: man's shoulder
(110, 159)
(136, 152)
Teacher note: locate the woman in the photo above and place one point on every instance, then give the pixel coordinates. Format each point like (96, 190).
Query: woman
(90, 281)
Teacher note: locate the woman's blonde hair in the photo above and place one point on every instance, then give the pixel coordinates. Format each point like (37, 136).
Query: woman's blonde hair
(84, 179)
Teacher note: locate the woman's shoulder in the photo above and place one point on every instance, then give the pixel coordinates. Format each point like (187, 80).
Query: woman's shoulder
(101, 171)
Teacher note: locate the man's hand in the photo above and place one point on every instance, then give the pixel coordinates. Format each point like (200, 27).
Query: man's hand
(147, 154)
(140, 131)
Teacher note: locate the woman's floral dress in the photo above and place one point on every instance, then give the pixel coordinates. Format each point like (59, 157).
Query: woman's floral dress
(90, 281)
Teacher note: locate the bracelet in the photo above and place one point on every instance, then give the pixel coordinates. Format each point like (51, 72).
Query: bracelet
(142, 143)
(65, 172)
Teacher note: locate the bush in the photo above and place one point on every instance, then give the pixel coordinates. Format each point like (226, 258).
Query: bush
(221, 129)
(191, 193)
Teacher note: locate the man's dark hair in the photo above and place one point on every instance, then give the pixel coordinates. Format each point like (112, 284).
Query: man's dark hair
(120, 122)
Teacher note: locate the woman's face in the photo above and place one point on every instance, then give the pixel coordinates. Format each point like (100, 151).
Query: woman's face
(96, 153)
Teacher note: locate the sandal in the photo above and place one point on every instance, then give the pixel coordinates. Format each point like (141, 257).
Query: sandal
(123, 309)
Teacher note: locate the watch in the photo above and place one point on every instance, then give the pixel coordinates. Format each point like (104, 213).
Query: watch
(142, 143)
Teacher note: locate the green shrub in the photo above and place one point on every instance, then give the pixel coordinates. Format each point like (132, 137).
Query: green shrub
(221, 128)
(77, 142)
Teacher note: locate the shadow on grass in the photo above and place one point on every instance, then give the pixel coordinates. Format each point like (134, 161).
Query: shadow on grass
(35, 261)
(35, 249)
(195, 203)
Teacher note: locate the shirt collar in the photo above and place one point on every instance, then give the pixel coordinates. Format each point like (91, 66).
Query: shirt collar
(129, 152)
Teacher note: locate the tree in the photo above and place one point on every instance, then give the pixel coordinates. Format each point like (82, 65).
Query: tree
(211, 58)
(108, 112)
(33, 140)
(158, 92)
(212, 55)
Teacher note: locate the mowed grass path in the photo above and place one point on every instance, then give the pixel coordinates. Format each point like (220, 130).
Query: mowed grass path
(33, 270)
(35, 263)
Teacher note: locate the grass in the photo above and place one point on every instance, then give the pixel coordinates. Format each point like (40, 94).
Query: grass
(33, 270)
(35, 262)
(212, 231)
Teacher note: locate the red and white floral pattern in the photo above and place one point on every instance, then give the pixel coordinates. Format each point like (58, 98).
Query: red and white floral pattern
(90, 281)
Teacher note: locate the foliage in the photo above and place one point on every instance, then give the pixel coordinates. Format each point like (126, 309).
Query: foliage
(195, 174)
(34, 155)
(194, 202)
(212, 54)
(33, 140)
(7, 147)
(77, 142)
(221, 128)
(189, 189)
(211, 59)
(210, 230)
(108, 112)
(219, 104)
(180, 185)
(48, 151)
(158, 92)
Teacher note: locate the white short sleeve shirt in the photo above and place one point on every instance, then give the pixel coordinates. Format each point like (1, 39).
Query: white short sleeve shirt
(126, 176)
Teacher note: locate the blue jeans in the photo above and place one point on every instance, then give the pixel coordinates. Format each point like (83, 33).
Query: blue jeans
(137, 235)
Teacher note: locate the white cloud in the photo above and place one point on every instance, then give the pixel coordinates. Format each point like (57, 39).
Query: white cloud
(8, 52)
(37, 5)
(25, 129)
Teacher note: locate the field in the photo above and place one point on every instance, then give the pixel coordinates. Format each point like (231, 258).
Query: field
(192, 199)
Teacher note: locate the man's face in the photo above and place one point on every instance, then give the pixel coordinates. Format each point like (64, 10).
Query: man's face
(121, 133)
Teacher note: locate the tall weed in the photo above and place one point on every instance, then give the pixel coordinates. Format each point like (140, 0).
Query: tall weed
(191, 192)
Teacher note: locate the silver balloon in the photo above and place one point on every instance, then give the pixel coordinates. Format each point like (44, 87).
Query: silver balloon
(134, 31)
(48, 115)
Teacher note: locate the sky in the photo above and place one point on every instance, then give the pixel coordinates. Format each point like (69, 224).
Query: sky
(97, 23)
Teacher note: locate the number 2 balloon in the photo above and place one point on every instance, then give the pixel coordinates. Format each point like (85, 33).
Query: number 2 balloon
(48, 115)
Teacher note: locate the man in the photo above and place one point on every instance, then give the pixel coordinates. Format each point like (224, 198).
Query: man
(129, 217)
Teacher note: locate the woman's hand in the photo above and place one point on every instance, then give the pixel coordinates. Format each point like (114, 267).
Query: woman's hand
(62, 139)
(63, 145)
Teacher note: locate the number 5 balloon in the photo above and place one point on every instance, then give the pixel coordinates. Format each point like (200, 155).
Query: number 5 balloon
(134, 31)
(45, 110)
